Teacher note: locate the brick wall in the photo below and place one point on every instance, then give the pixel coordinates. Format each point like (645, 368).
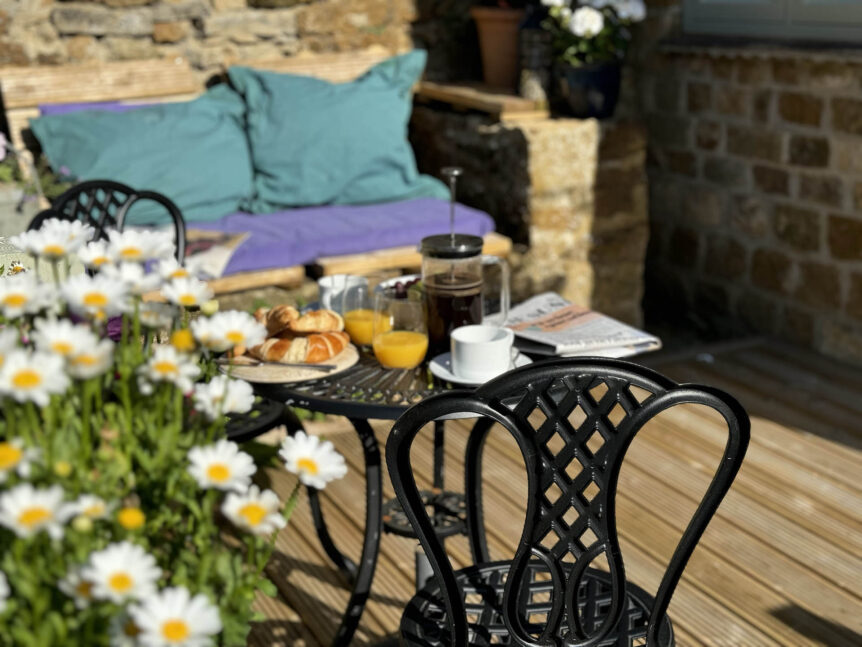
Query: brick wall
(755, 171)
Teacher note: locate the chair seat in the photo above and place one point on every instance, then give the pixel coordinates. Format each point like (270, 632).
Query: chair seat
(424, 621)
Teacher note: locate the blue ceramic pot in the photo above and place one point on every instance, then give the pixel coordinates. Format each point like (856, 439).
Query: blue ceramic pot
(589, 90)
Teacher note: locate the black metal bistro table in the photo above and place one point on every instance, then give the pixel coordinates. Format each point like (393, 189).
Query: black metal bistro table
(363, 392)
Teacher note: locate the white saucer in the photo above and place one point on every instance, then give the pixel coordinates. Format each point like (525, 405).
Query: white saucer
(441, 366)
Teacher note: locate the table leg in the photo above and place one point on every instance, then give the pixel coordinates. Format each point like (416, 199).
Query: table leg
(373, 529)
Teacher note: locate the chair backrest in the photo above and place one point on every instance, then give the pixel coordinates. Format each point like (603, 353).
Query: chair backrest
(573, 420)
(104, 205)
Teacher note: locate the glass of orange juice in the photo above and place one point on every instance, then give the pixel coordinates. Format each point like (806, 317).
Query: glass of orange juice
(400, 335)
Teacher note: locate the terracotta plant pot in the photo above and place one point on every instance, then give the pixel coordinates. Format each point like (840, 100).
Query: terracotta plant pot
(498, 42)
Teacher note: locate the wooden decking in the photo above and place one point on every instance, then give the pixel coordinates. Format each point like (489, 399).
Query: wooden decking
(780, 565)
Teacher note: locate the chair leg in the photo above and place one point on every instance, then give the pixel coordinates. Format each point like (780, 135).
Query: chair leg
(473, 490)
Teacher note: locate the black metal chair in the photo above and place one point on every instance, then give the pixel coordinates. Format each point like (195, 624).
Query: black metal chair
(549, 595)
(105, 205)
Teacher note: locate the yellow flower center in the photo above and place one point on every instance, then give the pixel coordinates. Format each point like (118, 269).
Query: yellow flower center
(95, 300)
(131, 252)
(131, 518)
(32, 517)
(62, 347)
(14, 300)
(95, 510)
(120, 582)
(53, 250)
(187, 299)
(62, 468)
(84, 589)
(85, 360)
(17, 269)
(99, 261)
(235, 337)
(10, 456)
(165, 367)
(175, 630)
(183, 340)
(253, 513)
(218, 472)
(179, 273)
(308, 465)
(27, 379)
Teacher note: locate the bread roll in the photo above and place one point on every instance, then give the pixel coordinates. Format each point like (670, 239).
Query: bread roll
(279, 318)
(298, 349)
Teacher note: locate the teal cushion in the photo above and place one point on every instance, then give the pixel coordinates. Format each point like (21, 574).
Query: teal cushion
(314, 142)
(195, 152)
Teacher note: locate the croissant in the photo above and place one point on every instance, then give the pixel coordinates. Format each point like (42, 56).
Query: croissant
(311, 349)
(277, 318)
(317, 321)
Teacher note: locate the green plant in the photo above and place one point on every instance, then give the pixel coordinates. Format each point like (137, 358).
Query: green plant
(591, 32)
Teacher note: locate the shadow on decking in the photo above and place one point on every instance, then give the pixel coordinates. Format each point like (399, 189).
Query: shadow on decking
(814, 626)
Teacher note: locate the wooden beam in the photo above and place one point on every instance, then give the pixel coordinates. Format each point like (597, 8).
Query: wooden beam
(476, 97)
(336, 68)
(395, 258)
(280, 276)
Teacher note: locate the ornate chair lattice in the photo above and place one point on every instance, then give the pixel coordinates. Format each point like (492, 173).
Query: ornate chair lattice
(573, 421)
(104, 205)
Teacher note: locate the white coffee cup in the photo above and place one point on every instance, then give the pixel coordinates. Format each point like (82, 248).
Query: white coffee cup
(480, 353)
(331, 288)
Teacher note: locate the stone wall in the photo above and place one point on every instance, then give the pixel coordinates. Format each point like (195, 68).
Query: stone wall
(573, 192)
(206, 32)
(755, 167)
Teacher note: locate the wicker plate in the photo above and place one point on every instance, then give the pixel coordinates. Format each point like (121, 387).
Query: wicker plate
(275, 374)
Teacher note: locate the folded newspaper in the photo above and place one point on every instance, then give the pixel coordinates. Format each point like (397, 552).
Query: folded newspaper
(548, 324)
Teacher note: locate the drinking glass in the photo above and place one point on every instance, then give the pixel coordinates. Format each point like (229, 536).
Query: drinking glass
(357, 308)
(400, 335)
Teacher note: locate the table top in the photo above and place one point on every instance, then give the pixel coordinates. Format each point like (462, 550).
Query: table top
(366, 390)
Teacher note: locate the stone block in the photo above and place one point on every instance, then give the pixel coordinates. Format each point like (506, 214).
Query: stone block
(621, 140)
(819, 285)
(840, 339)
(726, 171)
(726, 258)
(83, 48)
(832, 76)
(170, 32)
(562, 211)
(12, 53)
(620, 246)
(754, 142)
(665, 197)
(847, 115)
(823, 189)
(750, 216)
(756, 311)
(126, 3)
(786, 71)
(180, 10)
(684, 247)
(753, 71)
(129, 49)
(845, 238)
(699, 97)
(708, 134)
(847, 155)
(704, 205)
(762, 106)
(800, 108)
(563, 153)
(228, 5)
(797, 326)
(770, 179)
(722, 68)
(798, 228)
(681, 162)
(667, 94)
(854, 296)
(667, 130)
(809, 151)
(731, 100)
(274, 4)
(101, 21)
(256, 24)
(616, 190)
(772, 270)
(857, 196)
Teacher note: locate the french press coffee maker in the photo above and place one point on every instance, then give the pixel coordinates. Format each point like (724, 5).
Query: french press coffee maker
(452, 276)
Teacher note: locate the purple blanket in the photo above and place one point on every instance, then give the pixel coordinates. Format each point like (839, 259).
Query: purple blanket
(299, 236)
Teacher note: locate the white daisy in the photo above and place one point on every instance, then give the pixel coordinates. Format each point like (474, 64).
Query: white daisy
(157, 315)
(91, 506)
(586, 22)
(221, 466)
(187, 292)
(174, 618)
(8, 342)
(123, 632)
(121, 571)
(27, 511)
(96, 254)
(140, 245)
(222, 395)
(224, 330)
(134, 277)
(91, 360)
(77, 588)
(15, 268)
(315, 462)
(97, 296)
(61, 336)
(24, 294)
(257, 512)
(168, 365)
(4, 591)
(15, 458)
(170, 269)
(33, 376)
(54, 239)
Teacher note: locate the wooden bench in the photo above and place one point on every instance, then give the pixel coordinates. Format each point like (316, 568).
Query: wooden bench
(24, 89)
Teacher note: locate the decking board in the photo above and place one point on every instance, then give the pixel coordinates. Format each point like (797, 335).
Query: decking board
(780, 565)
